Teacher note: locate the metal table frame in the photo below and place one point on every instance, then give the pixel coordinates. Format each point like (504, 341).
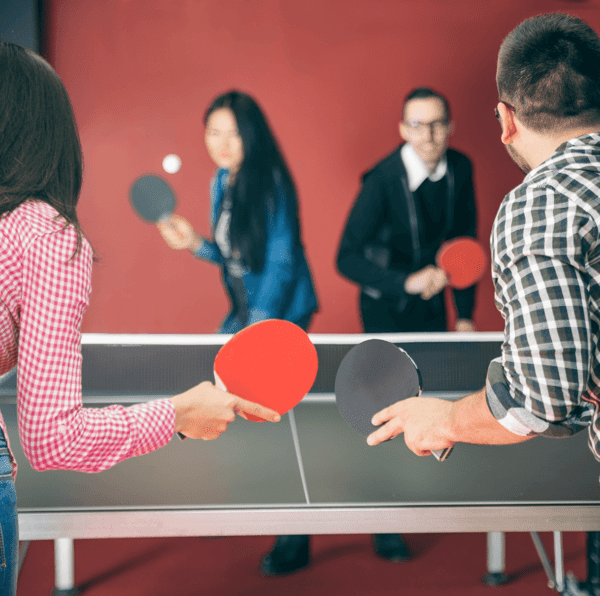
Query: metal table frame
(65, 525)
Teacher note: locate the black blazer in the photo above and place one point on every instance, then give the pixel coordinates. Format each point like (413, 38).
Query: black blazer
(383, 241)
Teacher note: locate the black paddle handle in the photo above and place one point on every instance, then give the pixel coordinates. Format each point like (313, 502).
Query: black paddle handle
(442, 454)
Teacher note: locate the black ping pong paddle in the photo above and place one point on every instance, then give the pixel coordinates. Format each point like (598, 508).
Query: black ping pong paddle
(152, 199)
(372, 376)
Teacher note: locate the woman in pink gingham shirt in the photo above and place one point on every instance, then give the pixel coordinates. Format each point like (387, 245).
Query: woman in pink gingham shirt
(45, 285)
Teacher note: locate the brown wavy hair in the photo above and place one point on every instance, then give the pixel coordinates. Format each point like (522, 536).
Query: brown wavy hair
(40, 151)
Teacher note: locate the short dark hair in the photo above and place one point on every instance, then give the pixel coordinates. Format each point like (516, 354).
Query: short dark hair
(549, 71)
(426, 93)
(40, 152)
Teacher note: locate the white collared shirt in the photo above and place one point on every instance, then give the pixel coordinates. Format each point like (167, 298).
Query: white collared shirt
(417, 171)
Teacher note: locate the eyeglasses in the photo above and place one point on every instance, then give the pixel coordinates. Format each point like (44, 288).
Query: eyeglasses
(497, 113)
(418, 127)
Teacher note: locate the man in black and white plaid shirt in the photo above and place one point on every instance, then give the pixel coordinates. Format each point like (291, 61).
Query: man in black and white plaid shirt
(545, 255)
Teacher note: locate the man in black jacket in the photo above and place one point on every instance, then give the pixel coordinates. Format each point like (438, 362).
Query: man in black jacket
(410, 202)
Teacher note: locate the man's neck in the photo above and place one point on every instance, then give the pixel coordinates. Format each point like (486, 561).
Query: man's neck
(417, 169)
(431, 165)
(539, 147)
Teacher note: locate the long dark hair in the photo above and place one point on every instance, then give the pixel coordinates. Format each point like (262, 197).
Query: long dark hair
(254, 192)
(40, 152)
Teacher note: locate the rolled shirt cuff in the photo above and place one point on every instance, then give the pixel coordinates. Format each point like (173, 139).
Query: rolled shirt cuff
(511, 414)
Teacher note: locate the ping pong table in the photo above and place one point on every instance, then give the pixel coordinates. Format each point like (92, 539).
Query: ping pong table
(308, 474)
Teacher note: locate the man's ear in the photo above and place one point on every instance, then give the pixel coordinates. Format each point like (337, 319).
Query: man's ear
(403, 131)
(510, 126)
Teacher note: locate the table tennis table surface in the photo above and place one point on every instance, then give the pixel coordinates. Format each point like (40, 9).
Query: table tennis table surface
(249, 480)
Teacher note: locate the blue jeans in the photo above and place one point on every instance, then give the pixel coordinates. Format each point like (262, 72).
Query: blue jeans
(9, 527)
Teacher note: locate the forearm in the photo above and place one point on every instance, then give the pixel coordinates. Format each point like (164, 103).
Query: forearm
(95, 439)
(352, 263)
(470, 421)
(196, 244)
(209, 251)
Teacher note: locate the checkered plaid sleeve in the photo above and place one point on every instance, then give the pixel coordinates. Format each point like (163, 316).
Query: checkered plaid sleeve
(540, 243)
(56, 431)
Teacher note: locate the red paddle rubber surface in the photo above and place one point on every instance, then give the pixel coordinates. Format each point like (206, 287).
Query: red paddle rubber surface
(272, 363)
(463, 260)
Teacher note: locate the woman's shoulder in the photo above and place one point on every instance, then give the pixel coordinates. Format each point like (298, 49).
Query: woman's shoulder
(218, 180)
(34, 219)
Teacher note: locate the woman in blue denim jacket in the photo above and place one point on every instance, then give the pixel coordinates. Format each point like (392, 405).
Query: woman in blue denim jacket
(254, 219)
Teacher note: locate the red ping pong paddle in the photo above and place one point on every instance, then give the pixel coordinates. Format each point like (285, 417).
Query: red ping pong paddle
(463, 261)
(272, 363)
(372, 376)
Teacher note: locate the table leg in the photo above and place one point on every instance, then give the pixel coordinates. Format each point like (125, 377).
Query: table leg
(556, 576)
(64, 568)
(23, 547)
(495, 560)
(559, 562)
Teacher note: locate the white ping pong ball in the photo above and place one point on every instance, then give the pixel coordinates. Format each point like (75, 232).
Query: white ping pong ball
(171, 163)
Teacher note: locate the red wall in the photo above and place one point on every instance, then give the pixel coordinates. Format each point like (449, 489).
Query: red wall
(331, 76)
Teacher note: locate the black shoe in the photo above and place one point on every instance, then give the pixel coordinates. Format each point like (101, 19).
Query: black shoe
(289, 554)
(391, 547)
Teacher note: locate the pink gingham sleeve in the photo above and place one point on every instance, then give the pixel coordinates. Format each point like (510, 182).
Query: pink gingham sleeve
(56, 431)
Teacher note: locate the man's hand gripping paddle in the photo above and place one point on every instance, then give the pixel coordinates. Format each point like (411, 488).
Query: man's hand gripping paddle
(372, 376)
